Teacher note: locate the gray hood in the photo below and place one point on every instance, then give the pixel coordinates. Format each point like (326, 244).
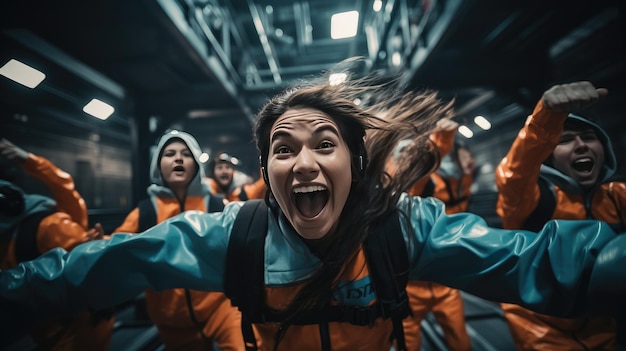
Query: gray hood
(158, 188)
(608, 169)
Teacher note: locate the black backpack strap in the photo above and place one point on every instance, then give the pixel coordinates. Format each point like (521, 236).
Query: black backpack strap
(545, 207)
(243, 278)
(216, 203)
(26, 236)
(429, 188)
(453, 200)
(242, 194)
(147, 214)
(244, 285)
(388, 262)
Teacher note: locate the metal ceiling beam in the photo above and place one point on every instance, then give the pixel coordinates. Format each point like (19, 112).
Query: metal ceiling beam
(302, 17)
(214, 64)
(259, 25)
(435, 35)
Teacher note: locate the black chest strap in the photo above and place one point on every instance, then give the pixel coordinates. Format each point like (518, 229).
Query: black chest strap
(244, 283)
(545, 207)
(148, 218)
(243, 278)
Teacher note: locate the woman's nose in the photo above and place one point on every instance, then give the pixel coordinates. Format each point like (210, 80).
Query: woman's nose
(305, 163)
(579, 143)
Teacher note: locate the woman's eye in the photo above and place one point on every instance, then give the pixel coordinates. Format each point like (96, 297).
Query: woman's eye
(589, 137)
(326, 145)
(282, 150)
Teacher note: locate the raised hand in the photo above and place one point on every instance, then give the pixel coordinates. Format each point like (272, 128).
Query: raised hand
(11, 151)
(571, 97)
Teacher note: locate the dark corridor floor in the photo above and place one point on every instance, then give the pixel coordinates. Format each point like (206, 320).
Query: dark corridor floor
(485, 324)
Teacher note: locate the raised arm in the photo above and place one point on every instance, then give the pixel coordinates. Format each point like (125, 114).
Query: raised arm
(518, 172)
(60, 183)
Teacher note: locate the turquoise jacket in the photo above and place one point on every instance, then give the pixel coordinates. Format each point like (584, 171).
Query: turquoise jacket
(546, 271)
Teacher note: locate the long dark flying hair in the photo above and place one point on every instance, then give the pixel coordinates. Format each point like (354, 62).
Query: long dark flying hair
(371, 139)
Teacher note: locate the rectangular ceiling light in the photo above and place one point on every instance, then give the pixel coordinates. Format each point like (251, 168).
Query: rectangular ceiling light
(22, 73)
(344, 24)
(99, 109)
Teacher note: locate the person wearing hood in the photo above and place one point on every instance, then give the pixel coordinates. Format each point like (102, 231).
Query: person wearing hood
(234, 185)
(560, 166)
(32, 224)
(328, 196)
(451, 184)
(186, 319)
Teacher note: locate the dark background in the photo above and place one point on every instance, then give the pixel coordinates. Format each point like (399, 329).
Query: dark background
(206, 66)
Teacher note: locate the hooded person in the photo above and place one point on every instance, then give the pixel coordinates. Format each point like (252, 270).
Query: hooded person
(186, 319)
(314, 284)
(560, 166)
(33, 224)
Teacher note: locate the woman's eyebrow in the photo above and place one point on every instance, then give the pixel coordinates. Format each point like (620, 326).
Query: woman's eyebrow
(283, 134)
(278, 135)
(326, 127)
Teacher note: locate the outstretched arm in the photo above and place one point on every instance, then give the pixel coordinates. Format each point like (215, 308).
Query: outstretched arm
(548, 271)
(186, 251)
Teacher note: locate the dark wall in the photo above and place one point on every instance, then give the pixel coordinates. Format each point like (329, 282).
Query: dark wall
(98, 159)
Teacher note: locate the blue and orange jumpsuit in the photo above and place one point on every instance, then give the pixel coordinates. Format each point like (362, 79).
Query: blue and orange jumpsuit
(519, 195)
(457, 250)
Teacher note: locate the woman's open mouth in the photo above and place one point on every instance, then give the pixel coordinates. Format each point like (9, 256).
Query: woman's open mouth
(583, 165)
(310, 200)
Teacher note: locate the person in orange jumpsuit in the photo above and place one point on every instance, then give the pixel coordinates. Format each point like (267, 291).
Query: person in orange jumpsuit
(329, 190)
(560, 167)
(33, 224)
(222, 180)
(186, 319)
(451, 184)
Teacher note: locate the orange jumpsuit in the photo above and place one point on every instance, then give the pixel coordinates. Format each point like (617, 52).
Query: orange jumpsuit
(445, 303)
(343, 336)
(168, 309)
(65, 228)
(255, 190)
(519, 195)
(212, 317)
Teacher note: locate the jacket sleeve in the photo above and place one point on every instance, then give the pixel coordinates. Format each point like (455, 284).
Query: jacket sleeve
(547, 272)
(517, 173)
(188, 250)
(443, 139)
(61, 184)
(59, 230)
